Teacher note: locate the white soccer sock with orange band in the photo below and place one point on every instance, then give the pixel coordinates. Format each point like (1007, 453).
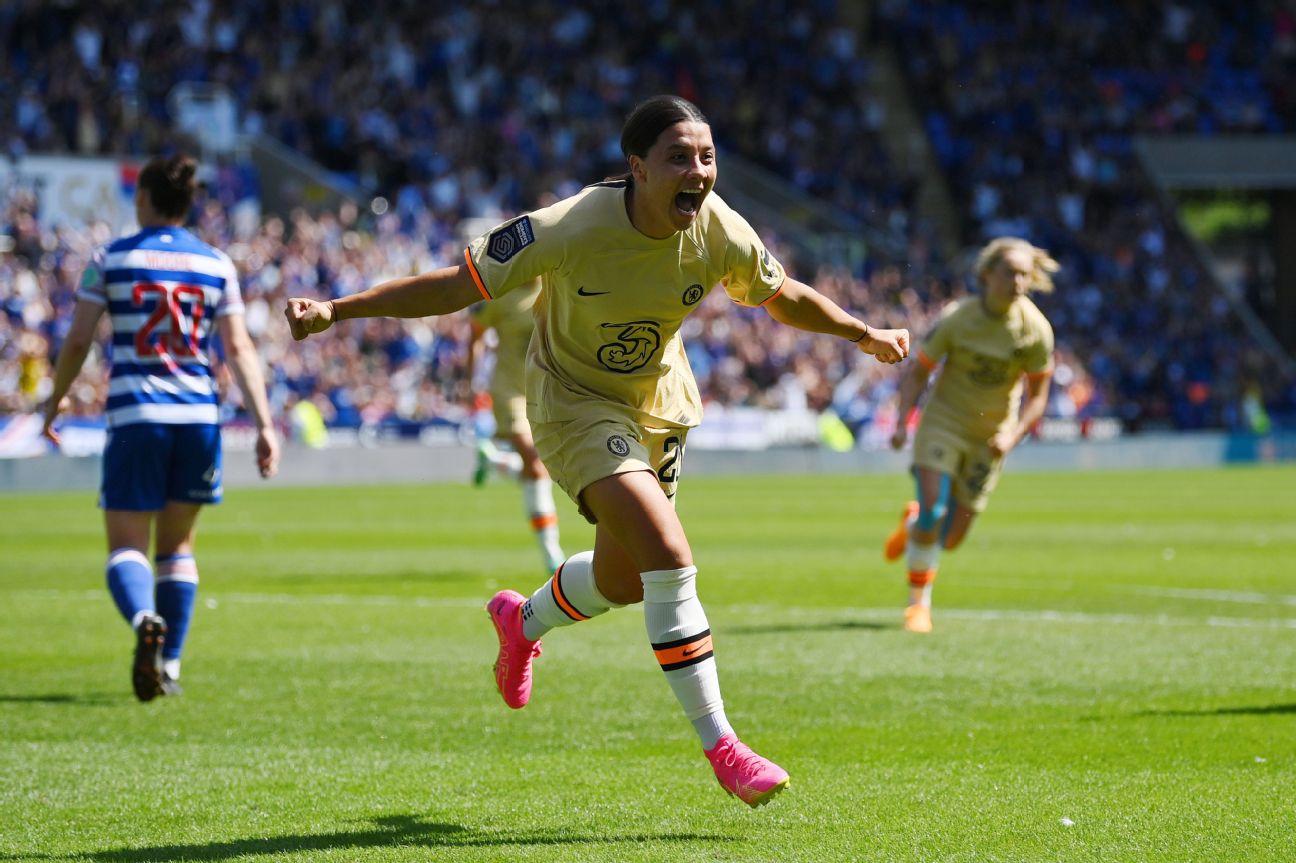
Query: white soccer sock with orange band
(681, 638)
(922, 561)
(568, 597)
(537, 494)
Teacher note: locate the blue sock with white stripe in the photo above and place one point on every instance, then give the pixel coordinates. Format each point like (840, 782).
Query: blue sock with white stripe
(130, 581)
(177, 589)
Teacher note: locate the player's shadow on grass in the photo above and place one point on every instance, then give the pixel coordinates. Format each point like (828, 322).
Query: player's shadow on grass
(81, 699)
(403, 830)
(1258, 710)
(821, 626)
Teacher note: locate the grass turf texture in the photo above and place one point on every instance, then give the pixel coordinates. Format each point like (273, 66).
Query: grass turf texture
(1110, 679)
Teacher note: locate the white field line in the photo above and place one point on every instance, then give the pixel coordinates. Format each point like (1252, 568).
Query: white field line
(1214, 595)
(1122, 619)
(294, 599)
(1203, 594)
(982, 614)
(1035, 616)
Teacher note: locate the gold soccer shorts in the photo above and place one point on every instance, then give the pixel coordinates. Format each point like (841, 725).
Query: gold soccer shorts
(581, 452)
(968, 462)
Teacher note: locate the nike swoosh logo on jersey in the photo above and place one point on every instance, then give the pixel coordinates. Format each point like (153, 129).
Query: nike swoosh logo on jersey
(584, 293)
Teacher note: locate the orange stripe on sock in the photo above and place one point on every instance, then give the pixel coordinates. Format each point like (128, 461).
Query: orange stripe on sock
(539, 522)
(693, 651)
(922, 578)
(555, 587)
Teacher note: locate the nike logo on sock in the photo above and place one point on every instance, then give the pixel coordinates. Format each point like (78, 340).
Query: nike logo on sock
(685, 651)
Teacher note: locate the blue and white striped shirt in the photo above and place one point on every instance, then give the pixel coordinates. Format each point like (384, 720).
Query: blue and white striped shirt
(164, 288)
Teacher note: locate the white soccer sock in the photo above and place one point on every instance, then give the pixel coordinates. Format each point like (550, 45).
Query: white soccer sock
(568, 597)
(922, 559)
(681, 638)
(537, 495)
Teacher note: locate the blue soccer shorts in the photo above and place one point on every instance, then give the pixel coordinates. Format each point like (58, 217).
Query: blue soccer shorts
(147, 464)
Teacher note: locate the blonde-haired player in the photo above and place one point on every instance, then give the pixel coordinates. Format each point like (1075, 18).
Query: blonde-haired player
(989, 342)
(513, 321)
(611, 397)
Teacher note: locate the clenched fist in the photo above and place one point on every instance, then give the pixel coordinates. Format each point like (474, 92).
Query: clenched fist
(886, 346)
(308, 316)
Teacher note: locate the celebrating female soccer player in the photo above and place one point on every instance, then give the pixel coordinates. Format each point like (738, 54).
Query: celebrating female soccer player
(611, 397)
(988, 341)
(163, 290)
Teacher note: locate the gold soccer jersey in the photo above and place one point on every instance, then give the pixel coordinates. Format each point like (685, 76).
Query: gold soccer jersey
(612, 301)
(513, 320)
(979, 389)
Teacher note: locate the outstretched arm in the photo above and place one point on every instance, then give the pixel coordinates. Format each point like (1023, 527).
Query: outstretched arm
(801, 306)
(439, 292)
(85, 317)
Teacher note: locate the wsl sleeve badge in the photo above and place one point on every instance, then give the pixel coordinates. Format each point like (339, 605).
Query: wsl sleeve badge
(507, 241)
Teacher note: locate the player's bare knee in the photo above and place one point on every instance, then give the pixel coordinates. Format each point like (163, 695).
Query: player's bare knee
(624, 593)
(618, 584)
(676, 554)
(664, 546)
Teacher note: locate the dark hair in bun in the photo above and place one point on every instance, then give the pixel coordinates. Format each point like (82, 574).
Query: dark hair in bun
(170, 182)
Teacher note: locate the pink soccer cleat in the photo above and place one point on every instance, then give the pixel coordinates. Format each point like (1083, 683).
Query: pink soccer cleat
(513, 665)
(744, 774)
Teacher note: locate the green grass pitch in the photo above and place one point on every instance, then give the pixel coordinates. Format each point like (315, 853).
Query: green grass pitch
(1112, 678)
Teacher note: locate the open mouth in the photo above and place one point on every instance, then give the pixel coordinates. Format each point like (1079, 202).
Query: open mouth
(688, 203)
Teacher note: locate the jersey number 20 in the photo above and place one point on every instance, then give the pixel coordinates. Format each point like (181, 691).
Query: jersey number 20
(182, 340)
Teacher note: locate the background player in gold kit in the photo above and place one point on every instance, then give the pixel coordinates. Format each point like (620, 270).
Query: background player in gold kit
(513, 322)
(989, 342)
(610, 394)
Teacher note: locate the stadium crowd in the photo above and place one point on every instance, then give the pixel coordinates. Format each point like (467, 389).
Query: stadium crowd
(1032, 109)
(462, 112)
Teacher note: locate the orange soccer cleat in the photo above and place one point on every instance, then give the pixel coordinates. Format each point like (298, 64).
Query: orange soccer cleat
(899, 538)
(918, 618)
